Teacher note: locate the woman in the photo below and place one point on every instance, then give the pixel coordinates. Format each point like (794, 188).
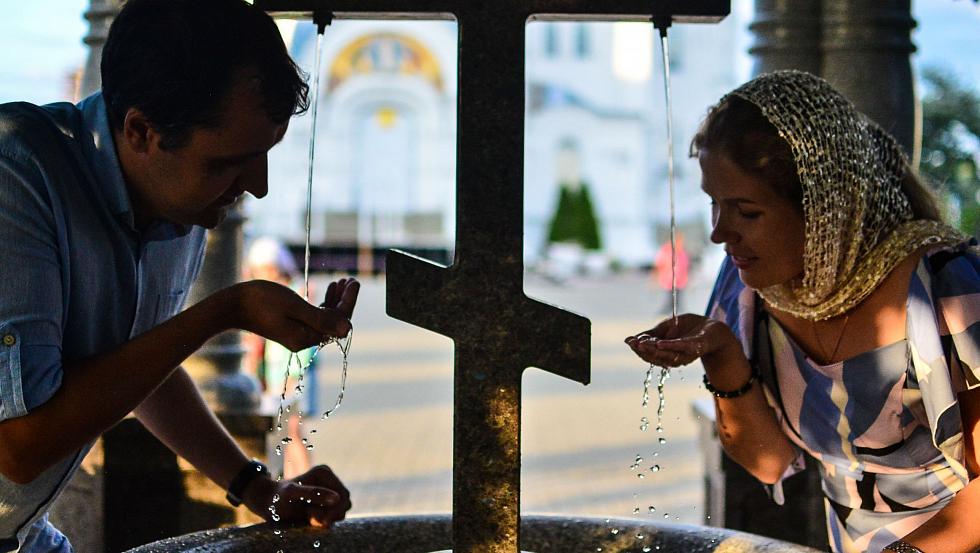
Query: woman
(845, 295)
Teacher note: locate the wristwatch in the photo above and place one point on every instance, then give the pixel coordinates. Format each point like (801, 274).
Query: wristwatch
(243, 479)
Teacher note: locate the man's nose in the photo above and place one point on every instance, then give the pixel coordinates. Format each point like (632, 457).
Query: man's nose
(255, 179)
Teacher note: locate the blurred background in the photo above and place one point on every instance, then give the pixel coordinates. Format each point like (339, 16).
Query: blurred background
(596, 219)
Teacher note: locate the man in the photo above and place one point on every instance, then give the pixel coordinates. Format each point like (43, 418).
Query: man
(103, 207)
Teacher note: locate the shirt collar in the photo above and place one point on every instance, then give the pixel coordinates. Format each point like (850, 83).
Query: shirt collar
(102, 158)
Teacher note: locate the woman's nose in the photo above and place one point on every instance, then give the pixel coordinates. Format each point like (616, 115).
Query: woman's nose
(722, 232)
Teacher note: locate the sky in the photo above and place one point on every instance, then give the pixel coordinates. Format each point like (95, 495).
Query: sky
(41, 44)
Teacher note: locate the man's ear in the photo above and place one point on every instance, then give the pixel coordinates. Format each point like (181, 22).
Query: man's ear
(137, 131)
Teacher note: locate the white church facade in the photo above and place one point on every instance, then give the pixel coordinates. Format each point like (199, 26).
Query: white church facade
(384, 160)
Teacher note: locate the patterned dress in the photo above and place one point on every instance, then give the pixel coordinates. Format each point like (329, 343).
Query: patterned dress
(884, 425)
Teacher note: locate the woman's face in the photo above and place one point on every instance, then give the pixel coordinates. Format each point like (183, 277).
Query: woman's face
(762, 231)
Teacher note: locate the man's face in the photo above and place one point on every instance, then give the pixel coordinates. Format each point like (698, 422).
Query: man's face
(197, 183)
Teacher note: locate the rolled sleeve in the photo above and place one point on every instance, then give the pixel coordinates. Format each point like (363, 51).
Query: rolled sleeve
(11, 388)
(31, 301)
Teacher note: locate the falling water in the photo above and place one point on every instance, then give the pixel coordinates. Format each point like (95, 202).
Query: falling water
(309, 173)
(664, 371)
(294, 360)
(665, 48)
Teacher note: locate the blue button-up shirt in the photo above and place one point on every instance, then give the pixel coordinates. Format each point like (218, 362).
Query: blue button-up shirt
(76, 277)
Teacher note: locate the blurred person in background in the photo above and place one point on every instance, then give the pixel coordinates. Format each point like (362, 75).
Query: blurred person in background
(666, 267)
(277, 369)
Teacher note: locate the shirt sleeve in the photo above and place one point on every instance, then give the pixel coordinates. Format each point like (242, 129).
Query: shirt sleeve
(31, 298)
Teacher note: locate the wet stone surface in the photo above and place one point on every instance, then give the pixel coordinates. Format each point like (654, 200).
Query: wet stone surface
(427, 534)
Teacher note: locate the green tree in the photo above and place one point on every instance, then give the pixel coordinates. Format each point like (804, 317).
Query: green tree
(574, 220)
(951, 145)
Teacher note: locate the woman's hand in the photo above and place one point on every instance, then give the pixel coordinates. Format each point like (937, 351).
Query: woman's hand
(677, 343)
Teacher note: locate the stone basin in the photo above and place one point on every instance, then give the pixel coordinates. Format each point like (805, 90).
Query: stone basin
(429, 533)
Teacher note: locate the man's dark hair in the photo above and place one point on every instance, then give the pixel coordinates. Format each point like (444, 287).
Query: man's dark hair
(177, 60)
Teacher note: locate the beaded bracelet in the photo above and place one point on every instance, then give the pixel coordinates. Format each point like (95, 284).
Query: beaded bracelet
(734, 393)
(902, 546)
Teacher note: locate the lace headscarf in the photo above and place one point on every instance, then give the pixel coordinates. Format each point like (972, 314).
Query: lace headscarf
(859, 224)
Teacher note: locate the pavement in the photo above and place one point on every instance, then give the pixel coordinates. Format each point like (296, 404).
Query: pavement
(391, 440)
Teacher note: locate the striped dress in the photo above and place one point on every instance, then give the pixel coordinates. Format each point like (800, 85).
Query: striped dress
(884, 425)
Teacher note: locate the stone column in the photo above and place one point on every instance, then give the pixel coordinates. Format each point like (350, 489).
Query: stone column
(862, 47)
(787, 36)
(866, 45)
(216, 367)
(100, 15)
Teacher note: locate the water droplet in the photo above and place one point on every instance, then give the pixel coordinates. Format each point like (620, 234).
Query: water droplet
(644, 424)
(316, 543)
(646, 549)
(655, 468)
(278, 450)
(276, 517)
(666, 515)
(636, 510)
(639, 536)
(275, 498)
(709, 517)
(277, 532)
(309, 447)
(286, 440)
(640, 475)
(652, 509)
(662, 440)
(313, 431)
(614, 531)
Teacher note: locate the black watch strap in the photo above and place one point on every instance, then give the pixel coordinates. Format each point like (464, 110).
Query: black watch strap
(243, 479)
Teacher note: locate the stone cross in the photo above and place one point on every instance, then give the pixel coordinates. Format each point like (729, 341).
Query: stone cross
(479, 301)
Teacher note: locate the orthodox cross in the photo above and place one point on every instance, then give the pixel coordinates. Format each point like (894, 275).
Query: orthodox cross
(479, 300)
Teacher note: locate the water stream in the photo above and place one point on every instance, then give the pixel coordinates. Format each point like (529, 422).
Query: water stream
(664, 371)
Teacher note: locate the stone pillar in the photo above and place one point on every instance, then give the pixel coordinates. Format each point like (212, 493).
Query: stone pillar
(862, 47)
(100, 15)
(866, 46)
(216, 367)
(787, 36)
